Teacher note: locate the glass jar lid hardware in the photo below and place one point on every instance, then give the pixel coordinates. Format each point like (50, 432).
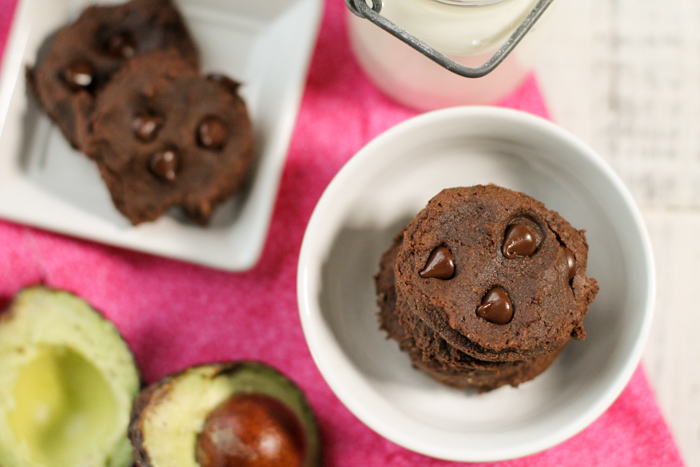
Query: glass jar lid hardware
(361, 9)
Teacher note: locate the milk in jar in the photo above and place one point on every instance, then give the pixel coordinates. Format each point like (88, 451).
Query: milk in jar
(468, 31)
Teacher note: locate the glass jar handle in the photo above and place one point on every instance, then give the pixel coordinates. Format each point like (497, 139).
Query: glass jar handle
(361, 9)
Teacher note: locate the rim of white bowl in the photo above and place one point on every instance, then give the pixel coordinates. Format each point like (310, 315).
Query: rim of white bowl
(312, 322)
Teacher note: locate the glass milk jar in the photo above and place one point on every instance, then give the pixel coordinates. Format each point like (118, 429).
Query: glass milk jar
(467, 31)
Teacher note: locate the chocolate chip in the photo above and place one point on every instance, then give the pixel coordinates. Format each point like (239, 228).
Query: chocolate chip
(121, 45)
(146, 127)
(164, 165)
(496, 307)
(211, 133)
(519, 240)
(223, 80)
(79, 76)
(440, 264)
(570, 263)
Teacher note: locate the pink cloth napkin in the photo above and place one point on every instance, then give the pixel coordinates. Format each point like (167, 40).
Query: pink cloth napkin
(175, 314)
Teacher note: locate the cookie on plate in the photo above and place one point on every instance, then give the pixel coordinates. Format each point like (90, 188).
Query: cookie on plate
(81, 58)
(165, 136)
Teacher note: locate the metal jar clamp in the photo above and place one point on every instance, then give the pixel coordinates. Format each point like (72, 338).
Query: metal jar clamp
(361, 9)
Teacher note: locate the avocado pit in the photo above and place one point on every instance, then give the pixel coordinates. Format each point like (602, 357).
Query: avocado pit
(251, 430)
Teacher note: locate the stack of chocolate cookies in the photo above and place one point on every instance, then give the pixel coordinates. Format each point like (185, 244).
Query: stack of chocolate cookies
(485, 287)
(122, 83)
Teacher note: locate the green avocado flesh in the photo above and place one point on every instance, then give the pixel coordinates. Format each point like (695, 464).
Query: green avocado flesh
(170, 414)
(62, 401)
(67, 383)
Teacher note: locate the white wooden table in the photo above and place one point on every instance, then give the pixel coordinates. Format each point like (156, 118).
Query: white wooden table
(624, 76)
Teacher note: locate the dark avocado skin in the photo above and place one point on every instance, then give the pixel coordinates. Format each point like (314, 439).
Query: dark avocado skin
(135, 432)
(159, 389)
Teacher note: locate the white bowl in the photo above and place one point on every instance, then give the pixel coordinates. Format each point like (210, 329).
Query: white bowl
(382, 188)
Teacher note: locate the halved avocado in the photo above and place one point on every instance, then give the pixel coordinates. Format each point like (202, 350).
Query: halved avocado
(233, 413)
(67, 384)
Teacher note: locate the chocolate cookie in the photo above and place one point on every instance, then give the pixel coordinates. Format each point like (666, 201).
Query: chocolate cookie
(164, 136)
(82, 57)
(513, 374)
(431, 354)
(517, 287)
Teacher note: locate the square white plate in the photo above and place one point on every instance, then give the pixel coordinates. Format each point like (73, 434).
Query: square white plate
(265, 44)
